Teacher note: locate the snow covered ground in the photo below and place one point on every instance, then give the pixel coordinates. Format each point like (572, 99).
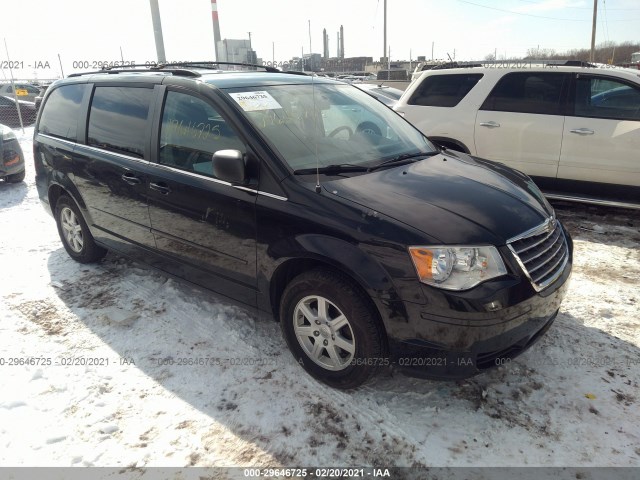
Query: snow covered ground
(570, 400)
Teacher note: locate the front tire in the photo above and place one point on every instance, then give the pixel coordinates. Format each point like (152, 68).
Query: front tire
(331, 329)
(75, 234)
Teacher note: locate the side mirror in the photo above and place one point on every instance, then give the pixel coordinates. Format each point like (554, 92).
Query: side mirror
(228, 165)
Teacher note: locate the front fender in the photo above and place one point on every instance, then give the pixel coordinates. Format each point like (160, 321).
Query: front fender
(289, 257)
(352, 260)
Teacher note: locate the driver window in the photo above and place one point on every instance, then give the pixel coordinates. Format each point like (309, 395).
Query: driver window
(191, 132)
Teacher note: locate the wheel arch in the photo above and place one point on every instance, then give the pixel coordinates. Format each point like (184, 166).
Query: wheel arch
(57, 189)
(313, 251)
(293, 267)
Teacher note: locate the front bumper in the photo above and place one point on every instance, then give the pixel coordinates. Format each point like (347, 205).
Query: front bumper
(453, 336)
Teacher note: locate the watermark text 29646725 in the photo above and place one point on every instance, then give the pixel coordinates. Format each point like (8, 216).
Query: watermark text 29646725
(59, 361)
(86, 64)
(189, 361)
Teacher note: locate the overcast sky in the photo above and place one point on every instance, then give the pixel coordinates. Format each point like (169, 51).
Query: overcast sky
(37, 31)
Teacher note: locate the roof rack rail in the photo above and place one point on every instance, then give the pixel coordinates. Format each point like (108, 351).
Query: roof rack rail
(174, 71)
(196, 64)
(297, 72)
(520, 63)
(170, 68)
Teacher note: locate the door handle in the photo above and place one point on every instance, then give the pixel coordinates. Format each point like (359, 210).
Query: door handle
(160, 187)
(582, 131)
(489, 124)
(131, 179)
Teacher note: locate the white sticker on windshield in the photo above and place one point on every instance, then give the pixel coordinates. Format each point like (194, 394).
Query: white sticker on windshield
(252, 101)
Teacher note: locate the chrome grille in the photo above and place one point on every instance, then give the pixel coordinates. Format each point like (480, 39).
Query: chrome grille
(541, 252)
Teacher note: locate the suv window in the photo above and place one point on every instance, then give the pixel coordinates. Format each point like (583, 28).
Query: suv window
(60, 115)
(444, 90)
(118, 119)
(191, 132)
(527, 92)
(606, 98)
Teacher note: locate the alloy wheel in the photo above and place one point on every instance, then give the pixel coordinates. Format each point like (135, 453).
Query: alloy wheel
(324, 333)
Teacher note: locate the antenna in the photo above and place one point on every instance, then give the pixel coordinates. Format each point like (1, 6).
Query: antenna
(315, 133)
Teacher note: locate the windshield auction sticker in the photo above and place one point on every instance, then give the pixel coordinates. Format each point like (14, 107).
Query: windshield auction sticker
(252, 101)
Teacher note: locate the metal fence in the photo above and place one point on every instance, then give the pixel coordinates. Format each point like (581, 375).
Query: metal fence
(19, 102)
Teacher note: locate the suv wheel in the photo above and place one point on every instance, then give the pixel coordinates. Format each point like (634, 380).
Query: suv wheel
(331, 329)
(16, 177)
(369, 129)
(74, 232)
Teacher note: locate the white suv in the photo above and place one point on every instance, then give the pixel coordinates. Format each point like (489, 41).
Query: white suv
(574, 129)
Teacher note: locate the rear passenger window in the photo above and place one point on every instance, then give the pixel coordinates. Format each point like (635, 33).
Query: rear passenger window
(191, 132)
(118, 119)
(527, 92)
(60, 114)
(444, 90)
(606, 98)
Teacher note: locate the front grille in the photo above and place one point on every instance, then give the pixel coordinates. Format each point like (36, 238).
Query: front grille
(542, 253)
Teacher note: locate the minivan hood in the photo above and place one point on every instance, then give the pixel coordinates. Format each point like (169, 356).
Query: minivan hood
(452, 197)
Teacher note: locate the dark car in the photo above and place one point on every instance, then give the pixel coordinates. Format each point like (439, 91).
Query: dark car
(620, 97)
(9, 112)
(387, 95)
(368, 249)
(11, 157)
(24, 91)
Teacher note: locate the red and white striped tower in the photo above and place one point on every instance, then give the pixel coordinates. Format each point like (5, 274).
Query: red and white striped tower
(216, 27)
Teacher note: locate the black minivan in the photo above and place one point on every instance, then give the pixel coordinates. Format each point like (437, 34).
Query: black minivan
(306, 199)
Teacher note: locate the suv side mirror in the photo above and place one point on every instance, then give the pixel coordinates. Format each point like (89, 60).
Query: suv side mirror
(228, 165)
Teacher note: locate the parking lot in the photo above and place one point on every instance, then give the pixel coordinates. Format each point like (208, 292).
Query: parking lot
(125, 367)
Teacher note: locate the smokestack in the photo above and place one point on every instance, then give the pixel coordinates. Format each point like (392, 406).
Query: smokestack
(341, 42)
(338, 46)
(216, 27)
(325, 44)
(157, 30)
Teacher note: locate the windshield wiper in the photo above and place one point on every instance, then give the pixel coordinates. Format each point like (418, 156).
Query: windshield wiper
(348, 167)
(329, 169)
(404, 158)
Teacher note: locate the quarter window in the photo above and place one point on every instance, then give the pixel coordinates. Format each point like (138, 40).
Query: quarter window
(118, 119)
(444, 90)
(61, 111)
(191, 132)
(527, 92)
(606, 98)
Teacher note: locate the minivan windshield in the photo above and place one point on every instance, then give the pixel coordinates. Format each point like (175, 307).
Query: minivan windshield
(329, 125)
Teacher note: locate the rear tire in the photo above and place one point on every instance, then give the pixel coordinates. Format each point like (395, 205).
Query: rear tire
(331, 328)
(75, 234)
(16, 177)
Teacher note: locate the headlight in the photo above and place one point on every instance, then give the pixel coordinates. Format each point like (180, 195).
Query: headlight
(456, 268)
